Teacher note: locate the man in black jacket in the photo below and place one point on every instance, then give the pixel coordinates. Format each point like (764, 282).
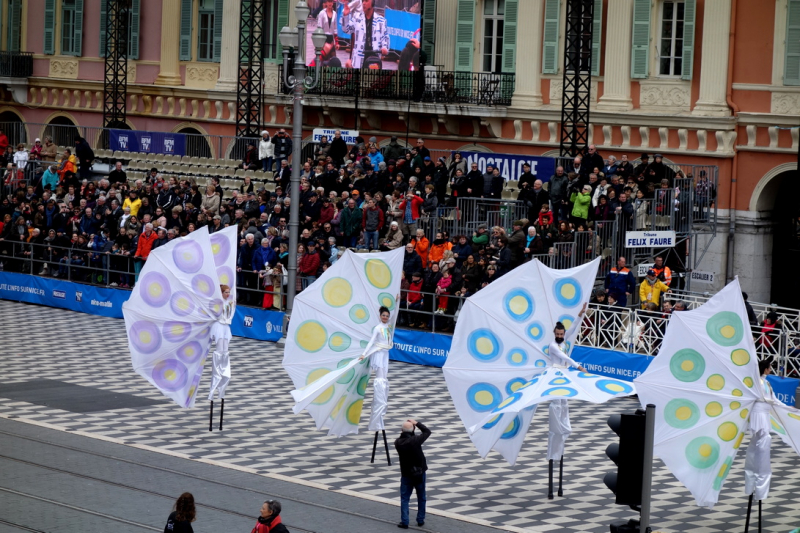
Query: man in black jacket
(412, 469)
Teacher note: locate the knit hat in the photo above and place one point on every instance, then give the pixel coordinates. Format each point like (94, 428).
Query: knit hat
(442, 160)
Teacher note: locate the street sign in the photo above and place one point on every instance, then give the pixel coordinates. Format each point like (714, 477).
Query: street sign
(702, 277)
(349, 136)
(649, 239)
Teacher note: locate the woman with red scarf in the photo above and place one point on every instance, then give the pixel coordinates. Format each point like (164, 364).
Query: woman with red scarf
(270, 519)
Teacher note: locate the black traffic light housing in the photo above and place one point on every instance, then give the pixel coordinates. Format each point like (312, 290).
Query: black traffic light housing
(628, 455)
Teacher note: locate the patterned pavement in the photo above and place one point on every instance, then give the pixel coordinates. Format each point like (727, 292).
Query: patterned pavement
(261, 434)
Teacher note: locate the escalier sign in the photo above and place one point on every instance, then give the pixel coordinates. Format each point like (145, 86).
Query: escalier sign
(702, 277)
(649, 239)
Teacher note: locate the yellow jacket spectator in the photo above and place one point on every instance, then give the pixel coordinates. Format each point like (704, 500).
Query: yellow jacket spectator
(133, 202)
(651, 289)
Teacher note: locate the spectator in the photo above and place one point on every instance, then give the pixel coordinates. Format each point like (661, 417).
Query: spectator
(620, 282)
(266, 151)
(118, 175)
(411, 261)
(211, 201)
(350, 224)
(283, 147)
(437, 249)
(143, 248)
(250, 161)
(270, 519)
(533, 243)
(49, 150)
(412, 469)
(559, 185)
(182, 515)
(85, 157)
(751, 315)
(581, 202)
(50, 178)
(516, 243)
(373, 221)
(662, 271)
(394, 237)
(770, 332)
(651, 289)
(309, 264)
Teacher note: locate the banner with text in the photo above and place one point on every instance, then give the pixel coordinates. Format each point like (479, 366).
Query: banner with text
(349, 136)
(429, 349)
(649, 239)
(511, 164)
(151, 142)
(255, 323)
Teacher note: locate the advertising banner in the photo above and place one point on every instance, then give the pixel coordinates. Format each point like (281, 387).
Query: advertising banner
(511, 164)
(259, 324)
(420, 348)
(151, 142)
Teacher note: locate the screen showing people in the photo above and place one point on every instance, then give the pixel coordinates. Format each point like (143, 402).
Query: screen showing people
(370, 34)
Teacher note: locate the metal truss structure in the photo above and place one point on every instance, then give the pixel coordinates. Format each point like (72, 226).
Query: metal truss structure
(250, 82)
(115, 81)
(577, 77)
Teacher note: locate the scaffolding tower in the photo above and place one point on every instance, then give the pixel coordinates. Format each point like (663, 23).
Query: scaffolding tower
(577, 77)
(250, 82)
(115, 81)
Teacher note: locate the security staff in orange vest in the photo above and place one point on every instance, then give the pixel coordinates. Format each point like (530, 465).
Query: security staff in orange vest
(662, 271)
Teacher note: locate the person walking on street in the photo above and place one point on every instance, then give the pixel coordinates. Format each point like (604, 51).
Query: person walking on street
(180, 520)
(412, 469)
(270, 519)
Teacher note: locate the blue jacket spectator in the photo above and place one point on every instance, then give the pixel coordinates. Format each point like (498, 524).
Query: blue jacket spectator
(620, 282)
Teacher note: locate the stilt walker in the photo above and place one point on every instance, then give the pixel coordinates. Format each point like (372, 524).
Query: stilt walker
(340, 331)
(221, 361)
(504, 360)
(176, 307)
(709, 389)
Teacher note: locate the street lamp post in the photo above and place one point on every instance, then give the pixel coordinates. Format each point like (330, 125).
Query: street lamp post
(295, 39)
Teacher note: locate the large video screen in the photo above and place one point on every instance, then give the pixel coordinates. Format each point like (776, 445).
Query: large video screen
(371, 34)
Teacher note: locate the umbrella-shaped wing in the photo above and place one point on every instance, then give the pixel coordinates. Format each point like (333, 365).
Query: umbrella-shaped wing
(169, 314)
(331, 324)
(501, 342)
(703, 383)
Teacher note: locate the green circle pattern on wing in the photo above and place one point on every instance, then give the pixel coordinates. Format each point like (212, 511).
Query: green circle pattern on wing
(681, 413)
(386, 300)
(348, 376)
(359, 313)
(687, 365)
(725, 328)
(702, 452)
(361, 388)
(339, 342)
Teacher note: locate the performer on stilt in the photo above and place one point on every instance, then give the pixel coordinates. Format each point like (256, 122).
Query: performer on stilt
(558, 416)
(757, 470)
(378, 351)
(221, 362)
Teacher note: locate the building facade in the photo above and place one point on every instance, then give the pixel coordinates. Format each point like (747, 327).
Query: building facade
(706, 82)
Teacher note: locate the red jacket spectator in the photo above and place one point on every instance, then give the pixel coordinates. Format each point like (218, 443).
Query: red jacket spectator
(145, 245)
(414, 292)
(309, 264)
(416, 203)
(3, 142)
(326, 213)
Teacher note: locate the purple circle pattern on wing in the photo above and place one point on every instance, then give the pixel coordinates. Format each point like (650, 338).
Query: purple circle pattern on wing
(155, 289)
(170, 375)
(225, 276)
(204, 285)
(191, 352)
(145, 337)
(221, 248)
(175, 331)
(195, 384)
(188, 257)
(181, 303)
(216, 307)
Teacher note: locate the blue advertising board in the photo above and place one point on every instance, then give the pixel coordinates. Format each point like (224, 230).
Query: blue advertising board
(420, 348)
(511, 164)
(151, 142)
(257, 324)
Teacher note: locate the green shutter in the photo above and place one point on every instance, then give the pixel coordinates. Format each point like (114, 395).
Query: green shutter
(510, 37)
(552, 13)
(283, 20)
(187, 6)
(133, 29)
(465, 28)
(78, 35)
(49, 26)
(597, 33)
(640, 42)
(791, 69)
(689, 22)
(14, 25)
(217, 30)
(428, 28)
(103, 26)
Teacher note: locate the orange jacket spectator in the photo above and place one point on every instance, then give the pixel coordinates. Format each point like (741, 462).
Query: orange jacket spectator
(438, 248)
(421, 247)
(145, 245)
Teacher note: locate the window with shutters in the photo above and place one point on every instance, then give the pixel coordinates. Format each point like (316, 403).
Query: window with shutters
(670, 47)
(493, 19)
(13, 25)
(130, 20)
(791, 65)
(68, 20)
(205, 31)
(277, 16)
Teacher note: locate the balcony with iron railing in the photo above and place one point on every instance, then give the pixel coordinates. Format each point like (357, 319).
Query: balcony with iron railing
(425, 86)
(16, 64)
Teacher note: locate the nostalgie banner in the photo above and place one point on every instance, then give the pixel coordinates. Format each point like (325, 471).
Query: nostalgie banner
(511, 164)
(151, 142)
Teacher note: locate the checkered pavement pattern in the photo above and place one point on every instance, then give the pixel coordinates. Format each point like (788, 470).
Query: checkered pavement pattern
(262, 433)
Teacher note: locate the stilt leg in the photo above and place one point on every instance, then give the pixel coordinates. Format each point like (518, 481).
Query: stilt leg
(759, 516)
(374, 447)
(221, 412)
(747, 520)
(550, 490)
(560, 475)
(386, 445)
(211, 416)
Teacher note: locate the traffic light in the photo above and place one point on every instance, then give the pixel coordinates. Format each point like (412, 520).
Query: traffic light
(628, 455)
